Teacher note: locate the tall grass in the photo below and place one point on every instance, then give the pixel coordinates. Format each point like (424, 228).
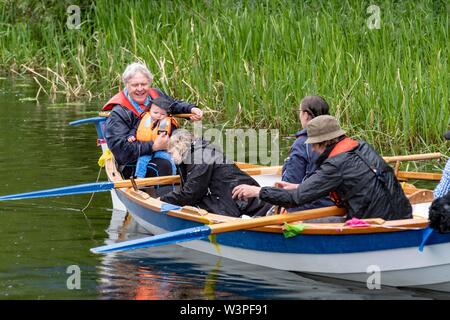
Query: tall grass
(250, 62)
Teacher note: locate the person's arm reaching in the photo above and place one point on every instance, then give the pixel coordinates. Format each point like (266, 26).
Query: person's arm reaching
(194, 188)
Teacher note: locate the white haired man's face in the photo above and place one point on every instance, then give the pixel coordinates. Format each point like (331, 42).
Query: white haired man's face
(137, 87)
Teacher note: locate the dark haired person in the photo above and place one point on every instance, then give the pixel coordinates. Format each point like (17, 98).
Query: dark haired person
(351, 172)
(301, 162)
(444, 185)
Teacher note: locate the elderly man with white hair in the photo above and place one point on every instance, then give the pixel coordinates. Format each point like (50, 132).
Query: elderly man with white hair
(207, 178)
(126, 109)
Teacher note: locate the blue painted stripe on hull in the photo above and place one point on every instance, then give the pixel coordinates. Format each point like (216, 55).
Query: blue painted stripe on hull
(275, 242)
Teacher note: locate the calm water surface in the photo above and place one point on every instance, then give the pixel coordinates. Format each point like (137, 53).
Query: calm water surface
(41, 238)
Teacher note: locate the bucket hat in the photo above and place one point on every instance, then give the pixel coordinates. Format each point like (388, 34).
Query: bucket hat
(323, 128)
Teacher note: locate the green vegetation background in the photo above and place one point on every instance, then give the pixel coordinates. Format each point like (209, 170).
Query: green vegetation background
(250, 62)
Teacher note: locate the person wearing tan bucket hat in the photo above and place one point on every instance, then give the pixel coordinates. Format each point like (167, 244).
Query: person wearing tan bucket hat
(351, 172)
(444, 185)
(324, 129)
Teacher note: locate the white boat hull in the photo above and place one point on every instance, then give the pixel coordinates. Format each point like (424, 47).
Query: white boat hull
(405, 267)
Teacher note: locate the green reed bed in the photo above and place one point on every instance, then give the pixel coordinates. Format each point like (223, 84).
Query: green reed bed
(250, 62)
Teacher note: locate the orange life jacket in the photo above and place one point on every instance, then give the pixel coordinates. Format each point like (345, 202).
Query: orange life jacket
(122, 99)
(342, 146)
(148, 130)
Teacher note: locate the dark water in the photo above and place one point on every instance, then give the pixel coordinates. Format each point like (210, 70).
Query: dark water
(41, 238)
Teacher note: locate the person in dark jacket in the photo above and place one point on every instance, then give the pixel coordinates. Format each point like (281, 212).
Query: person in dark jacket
(207, 179)
(126, 108)
(301, 162)
(351, 171)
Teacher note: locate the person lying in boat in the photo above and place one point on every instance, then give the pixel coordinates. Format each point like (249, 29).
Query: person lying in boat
(352, 172)
(301, 162)
(207, 179)
(154, 122)
(444, 185)
(127, 107)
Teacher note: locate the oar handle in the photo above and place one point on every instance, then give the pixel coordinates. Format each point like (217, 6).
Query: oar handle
(176, 179)
(180, 115)
(145, 182)
(240, 224)
(202, 232)
(419, 175)
(183, 115)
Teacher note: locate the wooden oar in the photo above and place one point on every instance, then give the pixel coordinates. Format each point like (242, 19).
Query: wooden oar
(89, 188)
(413, 157)
(183, 115)
(419, 175)
(202, 232)
(180, 115)
(107, 186)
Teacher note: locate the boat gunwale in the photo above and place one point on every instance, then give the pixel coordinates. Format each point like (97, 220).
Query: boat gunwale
(310, 228)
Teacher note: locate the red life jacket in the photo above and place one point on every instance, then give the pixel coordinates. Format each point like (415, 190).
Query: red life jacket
(122, 99)
(342, 146)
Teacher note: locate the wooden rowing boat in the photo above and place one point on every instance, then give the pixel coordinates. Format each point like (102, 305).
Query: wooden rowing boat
(328, 249)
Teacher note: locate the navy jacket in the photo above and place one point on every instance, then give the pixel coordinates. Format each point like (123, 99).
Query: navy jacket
(301, 160)
(301, 164)
(122, 122)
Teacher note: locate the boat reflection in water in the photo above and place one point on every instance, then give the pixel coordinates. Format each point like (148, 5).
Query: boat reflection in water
(173, 272)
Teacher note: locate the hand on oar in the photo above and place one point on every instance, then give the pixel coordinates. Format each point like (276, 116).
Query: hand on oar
(197, 114)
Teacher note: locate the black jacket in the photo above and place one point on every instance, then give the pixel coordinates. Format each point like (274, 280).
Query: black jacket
(365, 194)
(122, 122)
(207, 182)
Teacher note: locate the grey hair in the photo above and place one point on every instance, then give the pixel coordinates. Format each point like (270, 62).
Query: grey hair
(179, 145)
(132, 69)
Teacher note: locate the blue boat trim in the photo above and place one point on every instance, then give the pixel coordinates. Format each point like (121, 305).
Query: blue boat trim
(87, 120)
(305, 243)
(99, 124)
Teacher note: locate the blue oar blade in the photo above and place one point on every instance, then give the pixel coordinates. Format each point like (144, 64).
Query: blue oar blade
(158, 240)
(63, 191)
